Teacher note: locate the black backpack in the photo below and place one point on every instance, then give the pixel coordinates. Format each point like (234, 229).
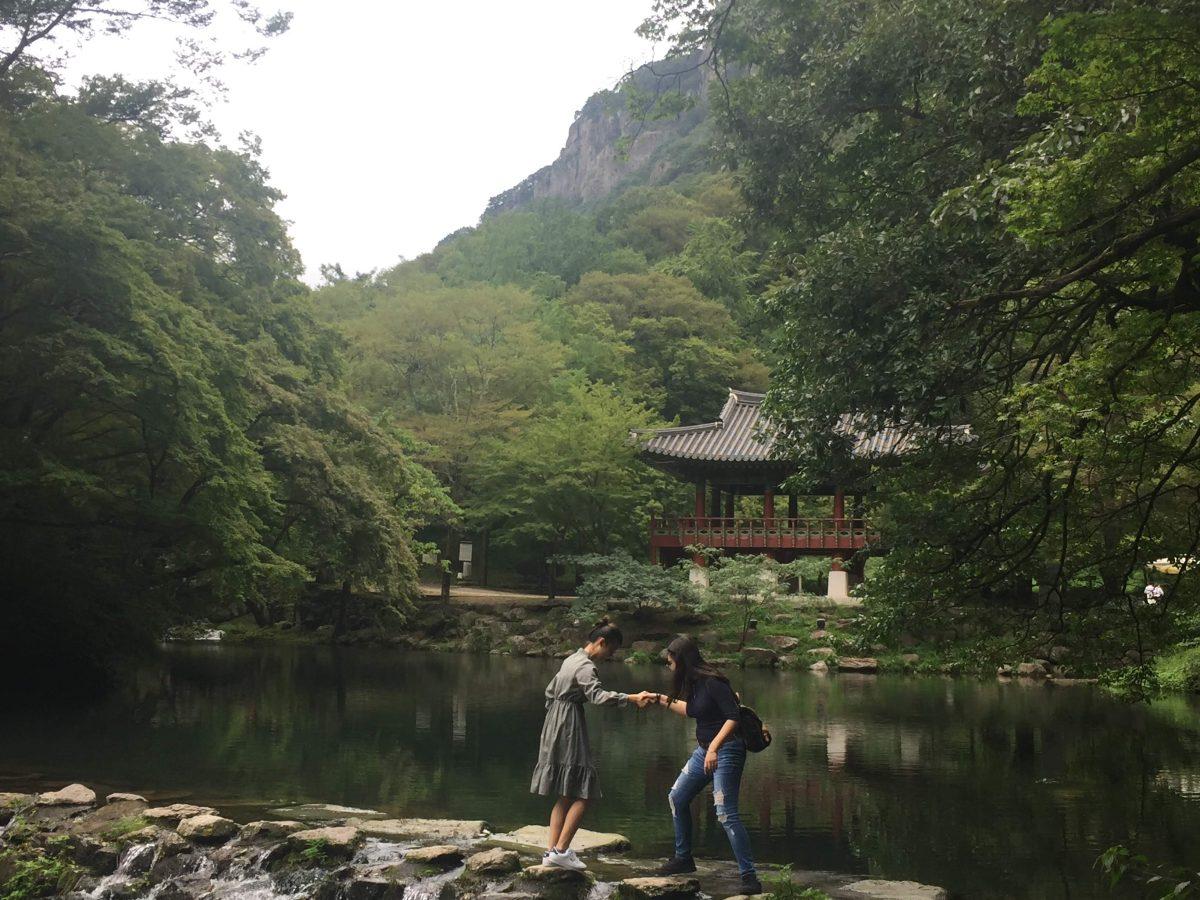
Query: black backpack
(754, 735)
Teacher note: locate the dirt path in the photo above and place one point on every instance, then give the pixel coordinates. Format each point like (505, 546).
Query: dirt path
(467, 595)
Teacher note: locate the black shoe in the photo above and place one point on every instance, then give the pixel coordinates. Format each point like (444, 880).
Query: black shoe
(676, 866)
(750, 884)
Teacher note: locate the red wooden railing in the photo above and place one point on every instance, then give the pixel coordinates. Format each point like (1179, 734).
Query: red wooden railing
(778, 532)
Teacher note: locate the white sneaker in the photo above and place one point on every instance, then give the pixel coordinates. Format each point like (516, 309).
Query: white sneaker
(565, 860)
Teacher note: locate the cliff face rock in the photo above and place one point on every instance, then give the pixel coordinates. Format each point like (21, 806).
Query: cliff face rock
(608, 146)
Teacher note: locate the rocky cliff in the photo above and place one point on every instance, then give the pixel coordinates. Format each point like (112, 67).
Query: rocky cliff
(610, 145)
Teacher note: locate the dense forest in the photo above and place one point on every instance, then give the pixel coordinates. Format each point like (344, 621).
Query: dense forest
(972, 219)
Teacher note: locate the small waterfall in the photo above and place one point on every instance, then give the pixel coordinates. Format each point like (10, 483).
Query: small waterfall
(134, 861)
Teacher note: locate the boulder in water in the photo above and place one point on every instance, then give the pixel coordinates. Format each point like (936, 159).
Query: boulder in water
(672, 887)
(270, 829)
(760, 657)
(494, 862)
(445, 856)
(176, 811)
(338, 840)
(71, 795)
(207, 828)
(864, 665)
(117, 797)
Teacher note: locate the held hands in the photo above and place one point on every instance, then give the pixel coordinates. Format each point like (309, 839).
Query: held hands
(643, 699)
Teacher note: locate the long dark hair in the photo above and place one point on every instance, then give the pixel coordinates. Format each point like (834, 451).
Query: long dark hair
(690, 666)
(607, 631)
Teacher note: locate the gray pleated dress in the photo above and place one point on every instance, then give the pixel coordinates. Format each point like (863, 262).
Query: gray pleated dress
(564, 767)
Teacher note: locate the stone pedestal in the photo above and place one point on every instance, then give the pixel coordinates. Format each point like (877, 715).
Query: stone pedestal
(839, 585)
(698, 575)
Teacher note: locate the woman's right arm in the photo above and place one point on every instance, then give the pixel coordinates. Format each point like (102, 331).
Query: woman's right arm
(678, 707)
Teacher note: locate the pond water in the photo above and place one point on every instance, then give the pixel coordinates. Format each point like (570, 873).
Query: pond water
(991, 790)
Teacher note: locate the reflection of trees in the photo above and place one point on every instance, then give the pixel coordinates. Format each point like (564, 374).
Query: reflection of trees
(993, 790)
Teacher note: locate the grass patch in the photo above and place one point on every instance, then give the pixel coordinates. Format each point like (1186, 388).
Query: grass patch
(32, 872)
(316, 853)
(781, 887)
(1180, 671)
(126, 826)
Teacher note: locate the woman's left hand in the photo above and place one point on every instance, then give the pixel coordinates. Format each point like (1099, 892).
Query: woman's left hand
(710, 761)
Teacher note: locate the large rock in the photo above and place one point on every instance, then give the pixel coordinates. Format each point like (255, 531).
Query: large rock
(118, 797)
(496, 861)
(270, 829)
(538, 836)
(176, 811)
(650, 648)
(554, 875)
(1032, 670)
(820, 667)
(895, 890)
(674, 887)
(862, 664)
(760, 657)
(207, 828)
(822, 652)
(436, 829)
(446, 856)
(339, 840)
(784, 643)
(71, 795)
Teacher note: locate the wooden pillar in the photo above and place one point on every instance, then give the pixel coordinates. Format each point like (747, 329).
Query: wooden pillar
(793, 505)
(714, 503)
(730, 495)
(769, 503)
(700, 499)
(839, 504)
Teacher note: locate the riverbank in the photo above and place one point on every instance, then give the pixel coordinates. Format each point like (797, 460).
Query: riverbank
(73, 844)
(813, 635)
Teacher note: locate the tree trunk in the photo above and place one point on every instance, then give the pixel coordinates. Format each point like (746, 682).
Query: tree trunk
(446, 564)
(339, 625)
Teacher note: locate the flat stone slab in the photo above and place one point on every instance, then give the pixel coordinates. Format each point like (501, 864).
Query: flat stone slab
(494, 862)
(118, 797)
(105, 817)
(71, 795)
(862, 664)
(325, 812)
(444, 855)
(537, 836)
(176, 811)
(674, 886)
(555, 875)
(271, 829)
(440, 829)
(895, 890)
(12, 801)
(207, 828)
(339, 838)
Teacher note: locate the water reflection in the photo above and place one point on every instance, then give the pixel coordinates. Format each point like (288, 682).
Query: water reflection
(992, 790)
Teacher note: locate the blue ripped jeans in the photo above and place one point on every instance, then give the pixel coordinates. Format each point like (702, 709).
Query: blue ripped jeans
(727, 781)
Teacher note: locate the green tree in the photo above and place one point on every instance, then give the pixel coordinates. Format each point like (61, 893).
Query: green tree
(571, 480)
(987, 215)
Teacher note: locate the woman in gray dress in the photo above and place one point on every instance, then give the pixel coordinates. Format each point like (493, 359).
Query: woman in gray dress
(564, 767)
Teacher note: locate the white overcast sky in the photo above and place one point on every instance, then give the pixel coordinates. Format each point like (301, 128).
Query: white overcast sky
(390, 124)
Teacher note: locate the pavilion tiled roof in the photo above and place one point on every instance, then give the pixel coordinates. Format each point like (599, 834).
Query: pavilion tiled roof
(742, 434)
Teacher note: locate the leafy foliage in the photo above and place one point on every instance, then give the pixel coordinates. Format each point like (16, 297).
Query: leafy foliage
(985, 215)
(173, 430)
(618, 581)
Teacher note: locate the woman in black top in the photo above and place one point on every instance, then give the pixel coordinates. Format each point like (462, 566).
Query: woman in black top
(703, 693)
